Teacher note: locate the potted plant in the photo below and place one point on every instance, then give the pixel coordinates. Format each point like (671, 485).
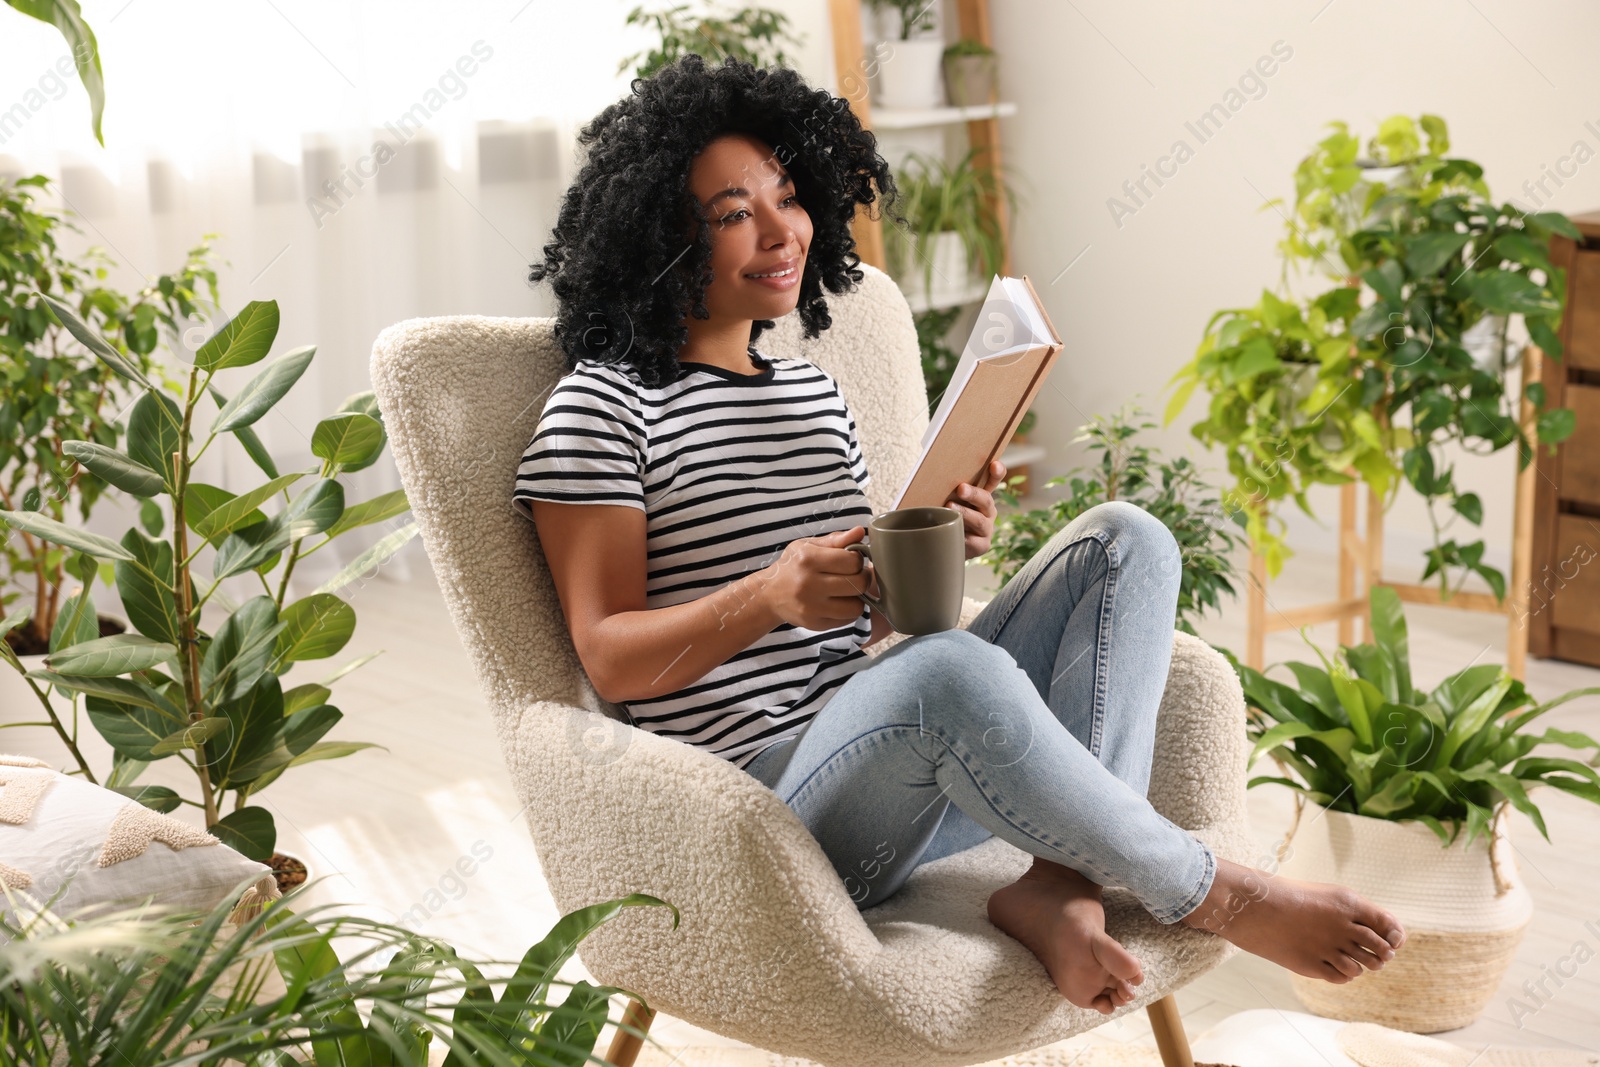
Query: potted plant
(1430, 256)
(756, 35)
(971, 73)
(52, 391)
(910, 75)
(1289, 403)
(951, 237)
(1171, 490)
(162, 987)
(1394, 774)
(213, 696)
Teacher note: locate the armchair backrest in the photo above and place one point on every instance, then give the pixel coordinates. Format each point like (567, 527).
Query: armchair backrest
(461, 396)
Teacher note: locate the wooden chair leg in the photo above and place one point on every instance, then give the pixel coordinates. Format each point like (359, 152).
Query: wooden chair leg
(625, 1046)
(1171, 1041)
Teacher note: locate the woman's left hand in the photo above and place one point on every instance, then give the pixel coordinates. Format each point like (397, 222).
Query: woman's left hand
(976, 505)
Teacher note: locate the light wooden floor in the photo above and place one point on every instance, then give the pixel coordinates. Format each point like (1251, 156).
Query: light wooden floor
(394, 830)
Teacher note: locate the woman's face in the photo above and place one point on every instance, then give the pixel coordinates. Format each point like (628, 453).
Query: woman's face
(757, 228)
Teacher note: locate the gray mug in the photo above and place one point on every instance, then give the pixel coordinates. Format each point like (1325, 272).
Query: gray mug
(919, 555)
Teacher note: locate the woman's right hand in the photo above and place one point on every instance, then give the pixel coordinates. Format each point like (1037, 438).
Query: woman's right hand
(817, 582)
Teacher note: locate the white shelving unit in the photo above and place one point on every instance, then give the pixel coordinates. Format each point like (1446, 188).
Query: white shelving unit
(884, 118)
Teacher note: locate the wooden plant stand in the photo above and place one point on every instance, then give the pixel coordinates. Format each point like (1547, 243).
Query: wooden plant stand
(1361, 567)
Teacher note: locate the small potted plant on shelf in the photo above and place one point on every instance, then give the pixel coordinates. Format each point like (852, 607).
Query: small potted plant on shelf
(162, 986)
(756, 35)
(1171, 490)
(1393, 774)
(971, 73)
(909, 75)
(952, 238)
(212, 697)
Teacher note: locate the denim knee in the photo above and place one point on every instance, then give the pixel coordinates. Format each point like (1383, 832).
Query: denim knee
(963, 676)
(1139, 535)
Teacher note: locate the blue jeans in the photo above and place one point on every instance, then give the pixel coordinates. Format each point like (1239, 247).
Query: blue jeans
(1036, 724)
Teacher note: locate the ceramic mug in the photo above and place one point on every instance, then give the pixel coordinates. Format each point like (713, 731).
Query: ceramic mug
(919, 555)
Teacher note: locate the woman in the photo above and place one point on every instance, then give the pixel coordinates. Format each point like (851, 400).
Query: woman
(694, 494)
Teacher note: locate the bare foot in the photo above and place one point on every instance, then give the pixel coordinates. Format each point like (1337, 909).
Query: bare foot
(1056, 912)
(1315, 929)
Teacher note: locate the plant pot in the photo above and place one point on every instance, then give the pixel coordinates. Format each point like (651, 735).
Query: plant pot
(972, 81)
(910, 75)
(1464, 908)
(951, 274)
(1485, 342)
(291, 869)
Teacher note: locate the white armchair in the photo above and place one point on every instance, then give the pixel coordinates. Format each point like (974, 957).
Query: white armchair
(770, 950)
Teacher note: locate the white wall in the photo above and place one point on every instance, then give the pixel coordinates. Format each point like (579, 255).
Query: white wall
(1105, 89)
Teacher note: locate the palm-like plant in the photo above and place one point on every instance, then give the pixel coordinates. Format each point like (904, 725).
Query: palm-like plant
(1362, 738)
(153, 987)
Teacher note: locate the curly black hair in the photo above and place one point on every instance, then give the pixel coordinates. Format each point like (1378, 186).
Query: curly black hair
(622, 278)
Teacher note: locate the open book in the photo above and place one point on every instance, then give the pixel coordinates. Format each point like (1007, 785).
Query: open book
(1011, 350)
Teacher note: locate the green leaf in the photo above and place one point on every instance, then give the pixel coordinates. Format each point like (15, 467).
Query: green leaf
(264, 390)
(132, 731)
(347, 439)
(41, 525)
(190, 735)
(372, 557)
(1523, 249)
(115, 468)
(244, 339)
(155, 797)
(240, 651)
(1509, 293)
(155, 433)
(315, 627)
(76, 623)
(144, 583)
(315, 509)
(232, 513)
(530, 985)
(1553, 222)
(305, 696)
(1469, 507)
(574, 1025)
(106, 657)
(377, 509)
(1389, 630)
(1428, 252)
(255, 719)
(1556, 425)
(247, 437)
(91, 340)
(250, 831)
(122, 690)
(250, 547)
(359, 661)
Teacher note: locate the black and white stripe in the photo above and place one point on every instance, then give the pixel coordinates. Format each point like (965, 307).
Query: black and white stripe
(728, 469)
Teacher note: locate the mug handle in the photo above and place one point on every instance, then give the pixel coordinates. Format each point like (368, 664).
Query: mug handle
(866, 551)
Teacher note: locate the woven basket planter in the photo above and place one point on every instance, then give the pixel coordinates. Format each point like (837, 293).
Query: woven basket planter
(1465, 910)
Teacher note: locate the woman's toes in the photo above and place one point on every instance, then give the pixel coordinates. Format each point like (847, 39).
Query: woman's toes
(1374, 943)
(1332, 974)
(1347, 965)
(1365, 956)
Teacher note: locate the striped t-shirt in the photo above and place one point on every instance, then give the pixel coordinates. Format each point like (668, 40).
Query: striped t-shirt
(728, 469)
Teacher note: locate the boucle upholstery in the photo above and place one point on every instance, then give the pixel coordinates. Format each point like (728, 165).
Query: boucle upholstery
(770, 950)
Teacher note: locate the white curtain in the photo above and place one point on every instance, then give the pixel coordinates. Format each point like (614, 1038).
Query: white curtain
(363, 162)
